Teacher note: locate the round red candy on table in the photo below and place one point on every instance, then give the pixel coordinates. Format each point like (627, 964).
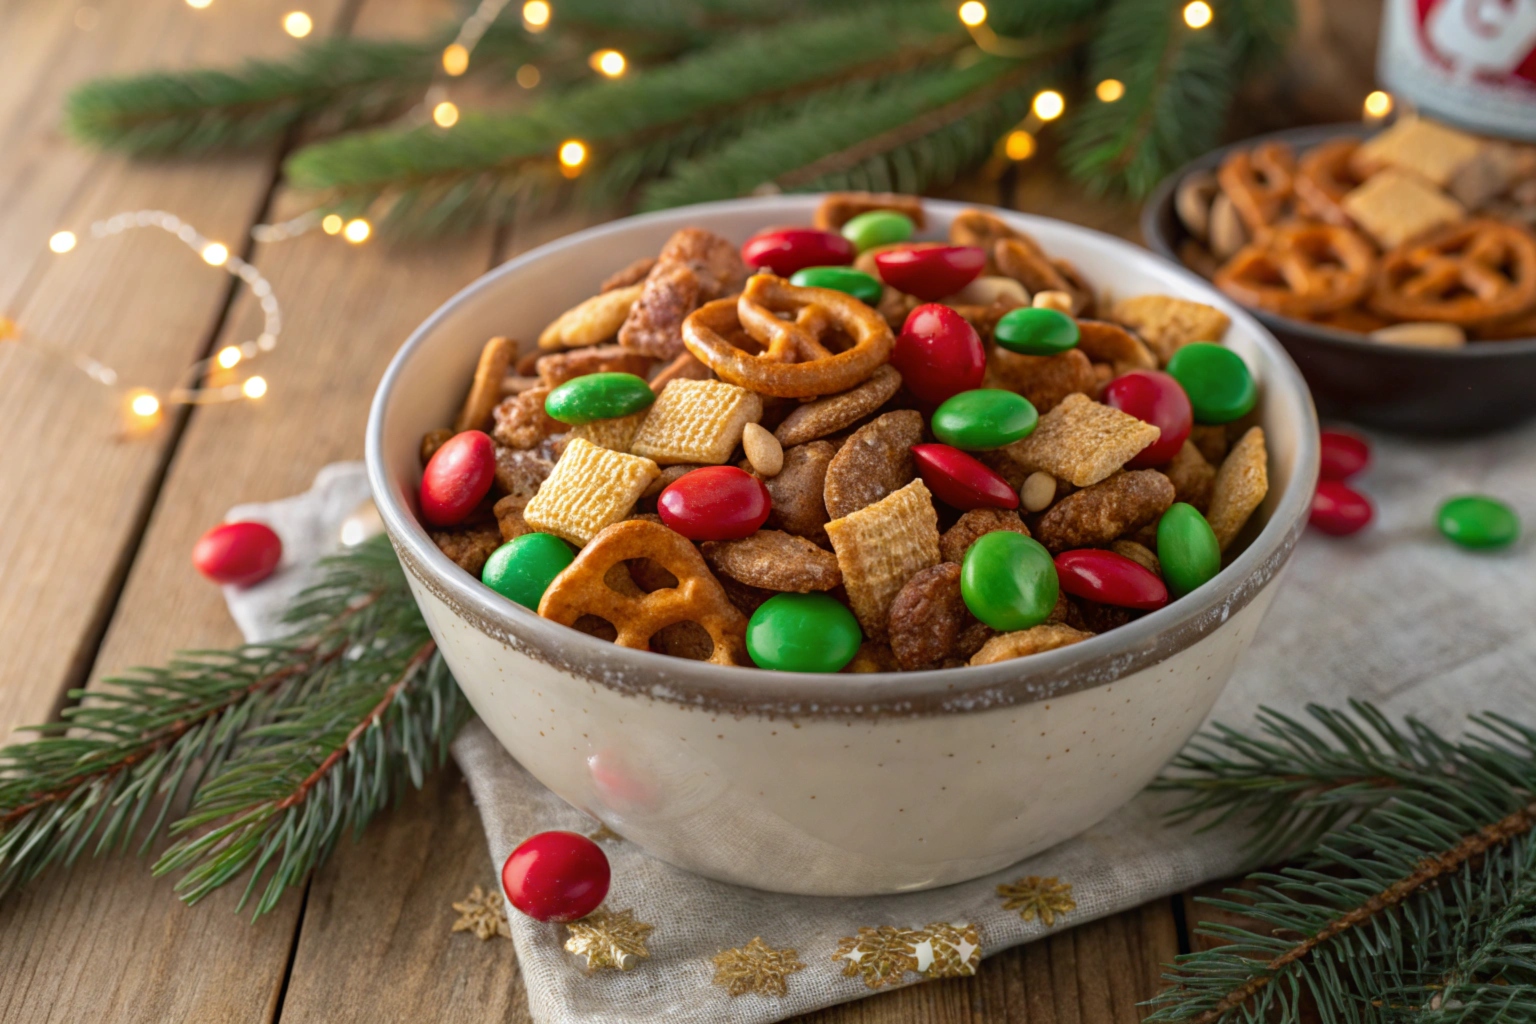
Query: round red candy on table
(1103, 576)
(938, 354)
(959, 480)
(786, 250)
(1339, 509)
(238, 553)
(1343, 454)
(556, 876)
(1158, 399)
(931, 272)
(457, 477)
(715, 503)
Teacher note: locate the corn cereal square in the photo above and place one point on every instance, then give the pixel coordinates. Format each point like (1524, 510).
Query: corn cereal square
(1241, 484)
(696, 421)
(1082, 441)
(1168, 324)
(880, 547)
(615, 434)
(1435, 152)
(1394, 206)
(590, 488)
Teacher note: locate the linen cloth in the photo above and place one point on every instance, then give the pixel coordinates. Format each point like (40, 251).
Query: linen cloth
(1396, 615)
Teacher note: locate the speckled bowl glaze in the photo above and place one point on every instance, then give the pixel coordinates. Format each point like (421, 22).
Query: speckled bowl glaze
(833, 785)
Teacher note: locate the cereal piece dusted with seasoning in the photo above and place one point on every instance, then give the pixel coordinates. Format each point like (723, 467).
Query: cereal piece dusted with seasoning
(521, 421)
(594, 321)
(697, 421)
(615, 434)
(716, 262)
(1096, 515)
(1168, 324)
(590, 488)
(978, 522)
(774, 560)
(1104, 342)
(1241, 484)
(1025, 642)
(521, 472)
(880, 547)
(875, 461)
(469, 547)
(1082, 441)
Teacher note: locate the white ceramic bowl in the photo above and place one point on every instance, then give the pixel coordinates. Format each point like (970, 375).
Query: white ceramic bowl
(827, 784)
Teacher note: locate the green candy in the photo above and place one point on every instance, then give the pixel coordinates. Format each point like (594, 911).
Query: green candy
(984, 418)
(1217, 381)
(878, 227)
(598, 396)
(1476, 521)
(803, 633)
(523, 568)
(1187, 548)
(1009, 581)
(1036, 331)
(844, 279)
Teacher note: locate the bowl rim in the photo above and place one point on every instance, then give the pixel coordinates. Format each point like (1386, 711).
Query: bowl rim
(1303, 137)
(750, 690)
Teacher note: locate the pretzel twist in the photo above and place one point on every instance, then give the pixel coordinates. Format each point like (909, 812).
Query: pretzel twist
(1469, 273)
(1324, 177)
(1259, 182)
(1301, 270)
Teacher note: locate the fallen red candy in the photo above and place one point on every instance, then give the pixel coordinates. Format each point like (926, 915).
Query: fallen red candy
(938, 354)
(1103, 576)
(1158, 399)
(556, 876)
(238, 553)
(961, 481)
(1339, 509)
(715, 503)
(1343, 455)
(786, 250)
(457, 477)
(931, 272)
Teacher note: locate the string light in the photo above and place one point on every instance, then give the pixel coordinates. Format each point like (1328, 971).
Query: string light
(332, 224)
(357, 231)
(455, 59)
(1109, 90)
(1048, 105)
(608, 62)
(254, 387)
(1197, 14)
(973, 13)
(573, 153)
(62, 242)
(215, 254)
(1019, 145)
(144, 404)
(1378, 104)
(535, 15)
(198, 4)
(528, 76)
(298, 24)
(228, 356)
(445, 114)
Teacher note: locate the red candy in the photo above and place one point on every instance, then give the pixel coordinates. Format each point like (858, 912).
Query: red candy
(1339, 509)
(938, 354)
(715, 503)
(556, 876)
(959, 480)
(1154, 398)
(1343, 455)
(931, 272)
(458, 475)
(1103, 576)
(786, 250)
(238, 553)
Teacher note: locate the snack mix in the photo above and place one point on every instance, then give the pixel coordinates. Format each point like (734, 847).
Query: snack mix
(841, 449)
(1421, 235)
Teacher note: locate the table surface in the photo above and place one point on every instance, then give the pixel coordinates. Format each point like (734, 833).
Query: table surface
(94, 574)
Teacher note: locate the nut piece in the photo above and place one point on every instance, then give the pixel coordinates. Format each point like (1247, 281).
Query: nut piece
(798, 505)
(1168, 324)
(1038, 492)
(1082, 441)
(1097, 515)
(1241, 483)
(1138, 553)
(714, 260)
(616, 434)
(995, 290)
(774, 561)
(665, 478)
(1028, 641)
(590, 488)
(632, 274)
(697, 421)
(831, 414)
(520, 473)
(485, 391)
(560, 367)
(468, 547)
(1061, 302)
(874, 462)
(1191, 477)
(838, 208)
(1044, 380)
(880, 547)
(593, 321)
(957, 540)
(928, 616)
(764, 451)
(509, 517)
(521, 421)
(654, 326)
(1228, 233)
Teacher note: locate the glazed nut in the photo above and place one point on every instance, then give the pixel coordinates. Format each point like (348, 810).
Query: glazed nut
(431, 441)
(1061, 302)
(595, 320)
(1097, 515)
(521, 422)
(797, 492)
(469, 547)
(834, 412)
(874, 462)
(774, 560)
(1192, 202)
(557, 368)
(1227, 233)
(1425, 334)
(928, 616)
(991, 290)
(509, 517)
(485, 391)
(1138, 553)
(1038, 492)
(973, 525)
(763, 450)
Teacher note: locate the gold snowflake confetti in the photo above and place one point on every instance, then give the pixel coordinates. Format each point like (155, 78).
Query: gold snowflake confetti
(482, 912)
(1033, 896)
(609, 941)
(756, 967)
(879, 955)
(947, 950)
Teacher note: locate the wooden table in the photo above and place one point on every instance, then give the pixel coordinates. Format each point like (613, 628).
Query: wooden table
(94, 573)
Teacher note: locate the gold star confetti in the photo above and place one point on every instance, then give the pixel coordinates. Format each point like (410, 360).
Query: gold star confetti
(482, 912)
(756, 967)
(1033, 895)
(880, 955)
(947, 950)
(603, 833)
(609, 941)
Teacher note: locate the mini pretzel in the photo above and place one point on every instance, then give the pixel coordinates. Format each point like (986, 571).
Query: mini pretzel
(1324, 177)
(1301, 270)
(582, 590)
(793, 362)
(1259, 182)
(1466, 273)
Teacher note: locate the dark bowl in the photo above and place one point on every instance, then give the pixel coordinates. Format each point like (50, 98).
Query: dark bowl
(1481, 387)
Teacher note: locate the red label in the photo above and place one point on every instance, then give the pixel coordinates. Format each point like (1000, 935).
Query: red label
(1490, 41)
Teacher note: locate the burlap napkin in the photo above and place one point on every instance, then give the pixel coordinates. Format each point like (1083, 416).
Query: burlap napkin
(1395, 615)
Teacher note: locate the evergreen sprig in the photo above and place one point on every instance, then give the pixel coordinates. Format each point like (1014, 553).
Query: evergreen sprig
(280, 745)
(1415, 893)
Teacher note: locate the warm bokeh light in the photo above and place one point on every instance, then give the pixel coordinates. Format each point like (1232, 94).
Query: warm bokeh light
(144, 405)
(215, 254)
(332, 224)
(199, 4)
(535, 15)
(1049, 105)
(229, 356)
(1197, 14)
(357, 231)
(254, 387)
(445, 115)
(1109, 90)
(1378, 104)
(62, 242)
(973, 13)
(572, 153)
(609, 62)
(1019, 145)
(456, 59)
(528, 76)
(298, 24)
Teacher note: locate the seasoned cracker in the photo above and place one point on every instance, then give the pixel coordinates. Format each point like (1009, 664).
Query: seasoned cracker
(928, 617)
(1044, 380)
(975, 524)
(834, 412)
(468, 547)
(560, 367)
(697, 421)
(485, 390)
(1240, 486)
(590, 488)
(616, 434)
(774, 561)
(591, 322)
(1428, 149)
(521, 472)
(1082, 441)
(1025, 642)
(1168, 324)
(881, 546)
(521, 421)
(838, 208)
(1191, 476)
(1096, 515)
(1394, 206)
(876, 461)
(654, 326)
(797, 491)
